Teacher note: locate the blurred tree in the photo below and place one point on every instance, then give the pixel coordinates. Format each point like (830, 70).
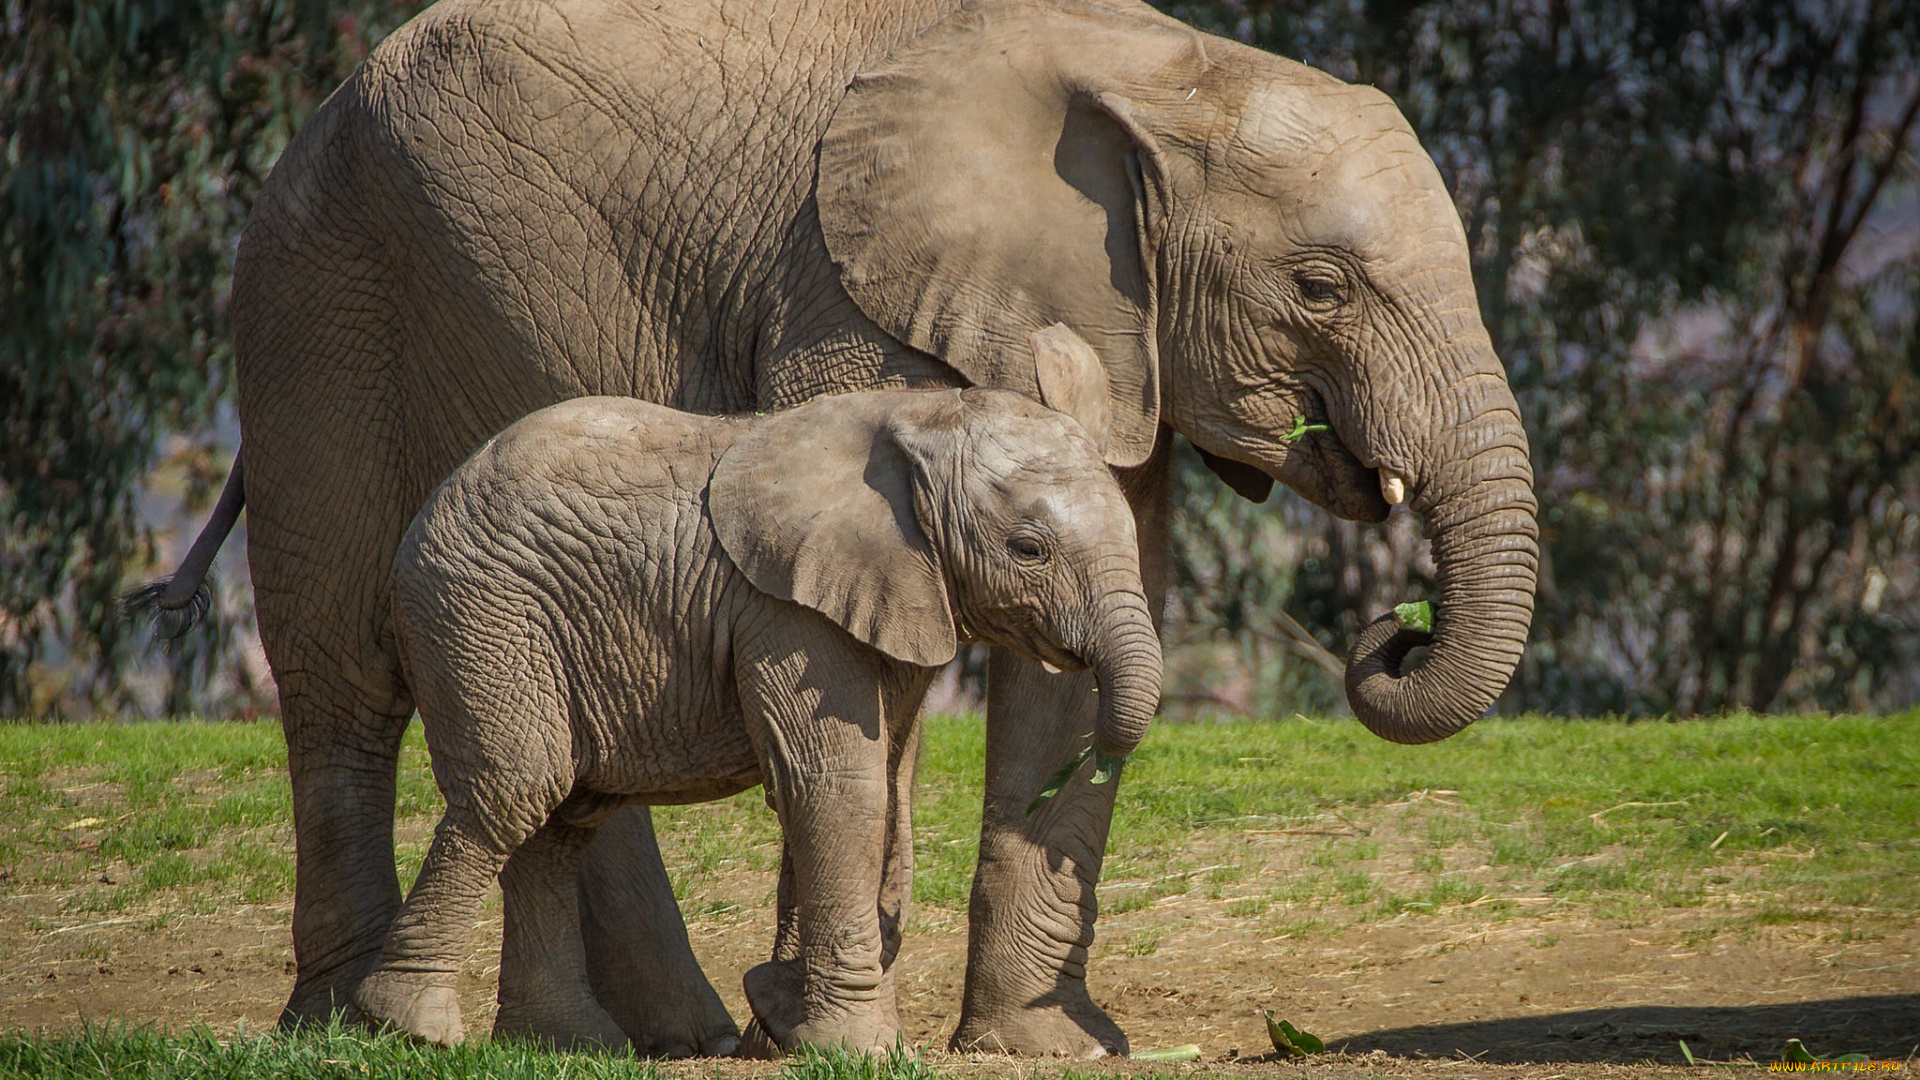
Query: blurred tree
(135, 134)
(1694, 228)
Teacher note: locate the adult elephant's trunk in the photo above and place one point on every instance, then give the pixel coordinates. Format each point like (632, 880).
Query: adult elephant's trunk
(1480, 513)
(1124, 653)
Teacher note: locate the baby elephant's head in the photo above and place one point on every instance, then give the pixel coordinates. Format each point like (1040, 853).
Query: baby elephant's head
(911, 516)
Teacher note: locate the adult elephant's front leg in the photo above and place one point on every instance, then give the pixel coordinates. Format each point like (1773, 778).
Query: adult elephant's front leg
(1031, 916)
(641, 964)
(1033, 895)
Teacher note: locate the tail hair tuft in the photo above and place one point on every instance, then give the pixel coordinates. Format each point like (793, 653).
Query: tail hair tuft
(170, 622)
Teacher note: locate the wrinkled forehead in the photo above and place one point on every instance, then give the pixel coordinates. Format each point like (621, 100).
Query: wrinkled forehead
(1042, 464)
(1029, 439)
(1339, 164)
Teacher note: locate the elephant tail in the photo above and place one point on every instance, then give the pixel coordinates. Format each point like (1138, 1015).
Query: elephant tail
(180, 600)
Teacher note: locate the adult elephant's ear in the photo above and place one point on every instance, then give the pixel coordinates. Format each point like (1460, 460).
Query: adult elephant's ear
(991, 179)
(815, 505)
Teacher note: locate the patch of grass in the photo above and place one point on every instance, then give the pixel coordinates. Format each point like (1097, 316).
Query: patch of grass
(1249, 906)
(1429, 901)
(106, 1052)
(1299, 928)
(1618, 817)
(1145, 942)
(1357, 889)
(897, 1064)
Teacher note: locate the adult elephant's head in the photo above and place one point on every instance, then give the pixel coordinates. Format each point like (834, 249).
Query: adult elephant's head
(1248, 243)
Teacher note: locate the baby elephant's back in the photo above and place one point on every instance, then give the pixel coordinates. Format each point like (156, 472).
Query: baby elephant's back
(567, 500)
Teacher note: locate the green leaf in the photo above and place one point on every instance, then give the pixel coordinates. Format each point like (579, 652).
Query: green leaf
(1417, 615)
(1308, 1043)
(1170, 1053)
(1686, 1053)
(1281, 1042)
(1301, 429)
(1058, 780)
(1106, 766)
(1290, 1040)
(1797, 1053)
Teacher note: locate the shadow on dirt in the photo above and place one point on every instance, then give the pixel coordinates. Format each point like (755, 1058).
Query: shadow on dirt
(1884, 1027)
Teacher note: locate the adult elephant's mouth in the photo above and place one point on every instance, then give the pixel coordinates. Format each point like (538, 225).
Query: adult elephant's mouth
(1324, 469)
(1320, 465)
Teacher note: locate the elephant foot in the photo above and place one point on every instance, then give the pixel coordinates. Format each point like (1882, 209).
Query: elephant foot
(756, 1043)
(1048, 1027)
(639, 961)
(421, 1003)
(681, 1021)
(775, 992)
(575, 1026)
(318, 998)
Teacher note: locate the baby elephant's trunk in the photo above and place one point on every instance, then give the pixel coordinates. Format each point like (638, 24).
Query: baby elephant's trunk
(1124, 652)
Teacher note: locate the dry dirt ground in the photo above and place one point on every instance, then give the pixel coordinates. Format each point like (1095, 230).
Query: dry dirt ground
(1554, 994)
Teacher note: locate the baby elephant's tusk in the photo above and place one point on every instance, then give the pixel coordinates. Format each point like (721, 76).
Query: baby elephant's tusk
(1392, 488)
(1050, 668)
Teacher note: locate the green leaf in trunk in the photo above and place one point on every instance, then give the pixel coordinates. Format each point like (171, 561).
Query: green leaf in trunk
(1417, 615)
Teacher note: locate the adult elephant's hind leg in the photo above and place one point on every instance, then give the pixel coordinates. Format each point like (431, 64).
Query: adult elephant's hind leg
(326, 507)
(343, 757)
(328, 497)
(639, 959)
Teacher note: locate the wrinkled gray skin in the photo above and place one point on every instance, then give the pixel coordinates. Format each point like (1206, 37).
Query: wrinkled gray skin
(723, 206)
(616, 602)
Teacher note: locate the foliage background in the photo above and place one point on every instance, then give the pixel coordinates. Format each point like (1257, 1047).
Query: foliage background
(1696, 228)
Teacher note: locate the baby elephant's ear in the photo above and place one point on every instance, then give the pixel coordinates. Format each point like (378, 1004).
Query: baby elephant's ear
(815, 505)
(1072, 379)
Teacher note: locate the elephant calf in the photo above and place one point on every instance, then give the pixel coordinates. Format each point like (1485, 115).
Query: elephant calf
(614, 602)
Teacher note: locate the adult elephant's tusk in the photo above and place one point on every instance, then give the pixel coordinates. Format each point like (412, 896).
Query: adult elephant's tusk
(1392, 488)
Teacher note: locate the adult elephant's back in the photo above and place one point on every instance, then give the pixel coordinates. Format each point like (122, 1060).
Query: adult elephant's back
(509, 204)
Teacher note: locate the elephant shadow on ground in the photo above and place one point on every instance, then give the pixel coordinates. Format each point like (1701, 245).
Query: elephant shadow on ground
(1884, 1027)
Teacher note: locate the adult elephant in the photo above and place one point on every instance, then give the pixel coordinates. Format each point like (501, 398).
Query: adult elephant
(724, 205)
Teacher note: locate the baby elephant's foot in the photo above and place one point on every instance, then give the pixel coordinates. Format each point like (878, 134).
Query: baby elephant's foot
(780, 1021)
(420, 1003)
(582, 1026)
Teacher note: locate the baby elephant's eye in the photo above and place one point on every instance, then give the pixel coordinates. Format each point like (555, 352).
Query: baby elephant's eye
(1027, 549)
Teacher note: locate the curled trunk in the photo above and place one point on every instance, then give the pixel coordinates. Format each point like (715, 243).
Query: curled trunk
(1485, 550)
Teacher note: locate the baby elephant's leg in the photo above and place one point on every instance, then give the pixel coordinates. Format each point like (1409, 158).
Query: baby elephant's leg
(545, 994)
(825, 758)
(504, 766)
(413, 987)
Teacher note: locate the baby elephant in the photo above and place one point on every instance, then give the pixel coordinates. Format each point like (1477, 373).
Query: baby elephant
(615, 602)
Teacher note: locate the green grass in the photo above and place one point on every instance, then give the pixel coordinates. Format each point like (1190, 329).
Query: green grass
(1788, 814)
(112, 1053)
(1807, 811)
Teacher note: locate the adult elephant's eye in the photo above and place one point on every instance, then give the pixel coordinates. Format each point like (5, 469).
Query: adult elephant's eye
(1318, 288)
(1027, 549)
